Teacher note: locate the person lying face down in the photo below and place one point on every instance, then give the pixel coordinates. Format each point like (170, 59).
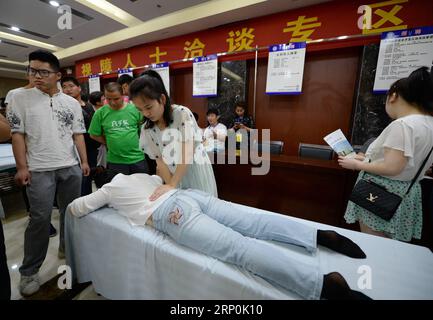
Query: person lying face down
(223, 230)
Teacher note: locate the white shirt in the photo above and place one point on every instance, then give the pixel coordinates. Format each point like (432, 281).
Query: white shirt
(212, 143)
(413, 135)
(129, 195)
(48, 124)
(11, 93)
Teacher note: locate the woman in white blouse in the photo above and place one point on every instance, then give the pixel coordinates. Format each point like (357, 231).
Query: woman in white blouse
(171, 136)
(394, 158)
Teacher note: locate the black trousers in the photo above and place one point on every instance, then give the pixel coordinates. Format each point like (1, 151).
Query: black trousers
(86, 182)
(5, 280)
(427, 208)
(127, 169)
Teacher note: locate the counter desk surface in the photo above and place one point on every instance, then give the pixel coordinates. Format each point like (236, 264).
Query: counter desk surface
(306, 188)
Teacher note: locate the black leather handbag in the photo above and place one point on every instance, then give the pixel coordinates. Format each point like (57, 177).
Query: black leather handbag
(376, 199)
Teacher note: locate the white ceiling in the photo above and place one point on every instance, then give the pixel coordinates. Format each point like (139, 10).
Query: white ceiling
(159, 19)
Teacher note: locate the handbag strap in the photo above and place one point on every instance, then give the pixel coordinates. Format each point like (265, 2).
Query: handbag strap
(417, 174)
(419, 171)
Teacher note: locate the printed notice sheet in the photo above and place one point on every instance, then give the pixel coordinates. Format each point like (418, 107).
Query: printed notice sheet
(402, 52)
(205, 76)
(94, 83)
(164, 71)
(286, 68)
(128, 71)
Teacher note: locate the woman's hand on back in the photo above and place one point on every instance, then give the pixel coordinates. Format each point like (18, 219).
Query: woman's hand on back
(160, 191)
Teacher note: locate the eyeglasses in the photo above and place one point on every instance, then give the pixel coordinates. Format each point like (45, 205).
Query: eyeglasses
(43, 73)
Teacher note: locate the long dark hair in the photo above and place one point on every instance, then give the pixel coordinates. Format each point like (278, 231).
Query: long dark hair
(151, 86)
(416, 89)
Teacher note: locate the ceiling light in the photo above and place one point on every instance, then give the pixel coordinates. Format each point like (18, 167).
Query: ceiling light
(106, 8)
(19, 71)
(13, 62)
(5, 25)
(28, 41)
(15, 28)
(77, 13)
(14, 44)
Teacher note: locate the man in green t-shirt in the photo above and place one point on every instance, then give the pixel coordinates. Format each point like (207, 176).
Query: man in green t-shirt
(116, 125)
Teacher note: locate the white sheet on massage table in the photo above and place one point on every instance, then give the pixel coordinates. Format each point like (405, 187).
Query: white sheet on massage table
(127, 262)
(7, 159)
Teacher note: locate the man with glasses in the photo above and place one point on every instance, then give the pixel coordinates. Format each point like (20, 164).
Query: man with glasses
(47, 131)
(53, 231)
(10, 94)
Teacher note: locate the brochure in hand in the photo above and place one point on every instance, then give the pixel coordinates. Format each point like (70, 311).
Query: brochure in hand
(338, 142)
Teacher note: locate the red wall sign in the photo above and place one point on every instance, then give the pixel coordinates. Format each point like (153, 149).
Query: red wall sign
(323, 21)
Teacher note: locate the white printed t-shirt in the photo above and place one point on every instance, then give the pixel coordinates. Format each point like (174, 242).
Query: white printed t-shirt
(11, 93)
(48, 124)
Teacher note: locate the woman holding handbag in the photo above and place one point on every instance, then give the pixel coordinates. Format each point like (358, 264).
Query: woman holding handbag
(398, 158)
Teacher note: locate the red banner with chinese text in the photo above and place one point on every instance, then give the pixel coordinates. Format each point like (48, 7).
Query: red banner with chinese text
(323, 21)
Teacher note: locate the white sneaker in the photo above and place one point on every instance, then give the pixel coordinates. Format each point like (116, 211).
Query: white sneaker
(29, 285)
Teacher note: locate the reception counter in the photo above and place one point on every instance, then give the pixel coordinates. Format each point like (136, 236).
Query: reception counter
(316, 190)
(310, 189)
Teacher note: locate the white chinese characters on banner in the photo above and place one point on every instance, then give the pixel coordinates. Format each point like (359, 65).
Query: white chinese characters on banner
(286, 68)
(400, 53)
(164, 71)
(94, 83)
(205, 76)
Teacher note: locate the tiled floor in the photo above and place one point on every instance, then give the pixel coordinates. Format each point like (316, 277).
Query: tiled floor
(14, 226)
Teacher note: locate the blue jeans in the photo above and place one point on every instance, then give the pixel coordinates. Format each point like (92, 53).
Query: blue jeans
(224, 230)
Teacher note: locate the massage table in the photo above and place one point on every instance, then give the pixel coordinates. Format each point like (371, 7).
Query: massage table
(7, 160)
(7, 165)
(138, 262)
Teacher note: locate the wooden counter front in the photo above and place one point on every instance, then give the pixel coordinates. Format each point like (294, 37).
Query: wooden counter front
(316, 190)
(306, 188)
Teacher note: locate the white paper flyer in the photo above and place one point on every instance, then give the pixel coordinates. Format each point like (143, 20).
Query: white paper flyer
(338, 142)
